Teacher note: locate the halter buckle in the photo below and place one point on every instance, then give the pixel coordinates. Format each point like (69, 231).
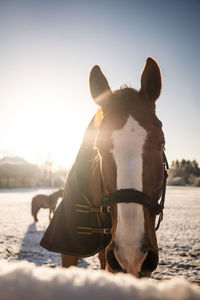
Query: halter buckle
(104, 209)
(108, 209)
(107, 230)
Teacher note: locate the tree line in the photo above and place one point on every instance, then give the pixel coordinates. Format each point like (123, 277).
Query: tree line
(18, 173)
(23, 174)
(184, 172)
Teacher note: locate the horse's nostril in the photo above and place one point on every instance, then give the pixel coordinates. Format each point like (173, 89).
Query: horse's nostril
(112, 261)
(144, 250)
(150, 263)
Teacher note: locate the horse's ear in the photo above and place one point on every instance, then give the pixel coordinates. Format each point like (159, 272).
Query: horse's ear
(151, 80)
(99, 86)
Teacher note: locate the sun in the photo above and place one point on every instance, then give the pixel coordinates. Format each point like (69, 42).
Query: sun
(48, 131)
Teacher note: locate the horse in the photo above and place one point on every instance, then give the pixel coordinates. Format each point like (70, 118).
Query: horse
(44, 201)
(116, 186)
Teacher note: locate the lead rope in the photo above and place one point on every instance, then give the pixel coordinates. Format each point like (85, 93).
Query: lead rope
(162, 202)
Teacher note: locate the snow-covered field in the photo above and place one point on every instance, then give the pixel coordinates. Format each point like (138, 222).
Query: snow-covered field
(178, 236)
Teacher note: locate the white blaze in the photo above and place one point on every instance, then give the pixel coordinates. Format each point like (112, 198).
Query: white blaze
(128, 145)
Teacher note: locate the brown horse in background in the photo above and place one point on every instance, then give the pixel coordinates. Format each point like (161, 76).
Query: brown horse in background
(44, 201)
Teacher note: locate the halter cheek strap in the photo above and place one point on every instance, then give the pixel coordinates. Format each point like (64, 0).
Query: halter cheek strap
(134, 196)
(162, 201)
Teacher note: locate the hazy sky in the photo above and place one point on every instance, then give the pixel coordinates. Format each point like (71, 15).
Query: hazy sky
(47, 49)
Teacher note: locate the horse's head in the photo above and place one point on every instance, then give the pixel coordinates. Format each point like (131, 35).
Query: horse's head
(130, 144)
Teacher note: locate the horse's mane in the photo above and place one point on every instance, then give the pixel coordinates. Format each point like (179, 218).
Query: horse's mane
(125, 92)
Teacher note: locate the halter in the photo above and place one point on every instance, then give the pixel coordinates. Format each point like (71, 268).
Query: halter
(134, 196)
(82, 231)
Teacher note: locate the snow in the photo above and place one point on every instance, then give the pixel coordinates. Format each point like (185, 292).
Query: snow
(179, 251)
(25, 281)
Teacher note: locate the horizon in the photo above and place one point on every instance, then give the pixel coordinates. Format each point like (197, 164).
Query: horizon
(56, 166)
(49, 47)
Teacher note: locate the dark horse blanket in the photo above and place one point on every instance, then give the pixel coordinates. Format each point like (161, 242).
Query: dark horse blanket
(77, 225)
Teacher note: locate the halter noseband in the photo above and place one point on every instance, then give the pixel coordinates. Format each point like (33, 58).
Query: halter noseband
(134, 196)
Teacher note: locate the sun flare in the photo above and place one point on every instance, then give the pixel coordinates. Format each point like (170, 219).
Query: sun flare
(47, 132)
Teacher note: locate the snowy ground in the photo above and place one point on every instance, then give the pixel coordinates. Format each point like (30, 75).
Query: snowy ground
(178, 236)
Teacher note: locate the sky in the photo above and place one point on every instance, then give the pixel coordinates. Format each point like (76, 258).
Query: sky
(47, 49)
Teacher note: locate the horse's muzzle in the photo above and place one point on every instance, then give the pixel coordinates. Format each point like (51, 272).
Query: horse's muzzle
(148, 266)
